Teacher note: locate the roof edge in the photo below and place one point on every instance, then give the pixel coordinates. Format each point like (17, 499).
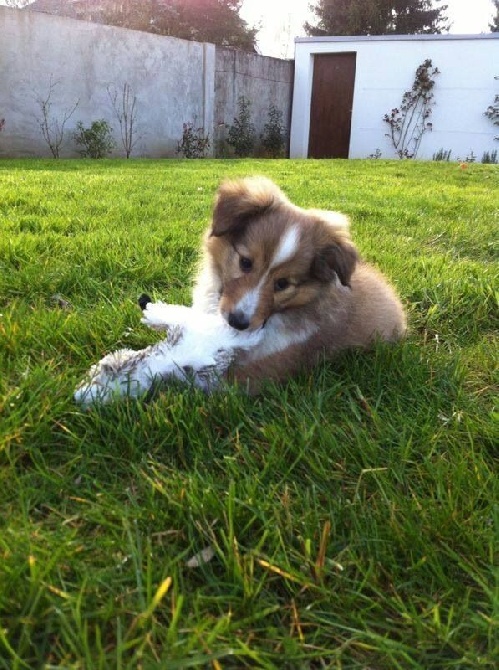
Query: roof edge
(395, 38)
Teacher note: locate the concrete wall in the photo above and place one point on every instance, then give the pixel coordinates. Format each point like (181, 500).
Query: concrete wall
(175, 81)
(386, 68)
(262, 80)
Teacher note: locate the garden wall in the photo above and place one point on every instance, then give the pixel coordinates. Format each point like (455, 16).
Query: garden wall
(175, 81)
(264, 81)
(385, 69)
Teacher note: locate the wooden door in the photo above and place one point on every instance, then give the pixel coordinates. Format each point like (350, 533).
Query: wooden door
(331, 106)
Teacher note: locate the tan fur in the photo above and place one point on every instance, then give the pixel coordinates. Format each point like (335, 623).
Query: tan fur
(329, 301)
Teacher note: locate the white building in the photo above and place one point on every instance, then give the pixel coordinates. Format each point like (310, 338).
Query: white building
(345, 85)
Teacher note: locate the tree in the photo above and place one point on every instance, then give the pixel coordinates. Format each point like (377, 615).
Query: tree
(52, 126)
(377, 17)
(215, 21)
(494, 26)
(124, 105)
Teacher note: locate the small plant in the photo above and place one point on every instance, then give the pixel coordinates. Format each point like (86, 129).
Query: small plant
(2, 124)
(490, 157)
(409, 122)
(241, 135)
(125, 110)
(53, 128)
(492, 112)
(274, 133)
(442, 155)
(97, 140)
(194, 143)
(376, 155)
(470, 158)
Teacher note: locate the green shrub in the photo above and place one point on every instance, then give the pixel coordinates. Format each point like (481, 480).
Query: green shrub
(490, 157)
(97, 140)
(194, 143)
(274, 133)
(241, 136)
(442, 155)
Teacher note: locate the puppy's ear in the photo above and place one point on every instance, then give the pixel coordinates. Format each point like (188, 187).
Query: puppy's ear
(335, 260)
(336, 255)
(237, 202)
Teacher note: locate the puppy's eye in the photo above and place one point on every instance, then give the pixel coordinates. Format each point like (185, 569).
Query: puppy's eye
(245, 264)
(281, 284)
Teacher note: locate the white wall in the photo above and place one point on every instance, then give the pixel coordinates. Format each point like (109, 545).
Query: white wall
(386, 68)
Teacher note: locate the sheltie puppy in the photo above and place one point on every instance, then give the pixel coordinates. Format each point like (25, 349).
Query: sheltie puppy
(294, 273)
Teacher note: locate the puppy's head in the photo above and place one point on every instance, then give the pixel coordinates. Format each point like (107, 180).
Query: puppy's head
(272, 256)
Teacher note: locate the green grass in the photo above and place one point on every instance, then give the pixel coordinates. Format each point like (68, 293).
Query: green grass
(353, 513)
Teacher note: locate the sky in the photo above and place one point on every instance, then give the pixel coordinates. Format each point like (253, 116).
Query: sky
(282, 21)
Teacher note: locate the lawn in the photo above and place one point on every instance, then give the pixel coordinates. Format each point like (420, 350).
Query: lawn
(346, 519)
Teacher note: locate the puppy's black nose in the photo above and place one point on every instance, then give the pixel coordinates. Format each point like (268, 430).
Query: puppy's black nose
(143, 301)
(238, 320)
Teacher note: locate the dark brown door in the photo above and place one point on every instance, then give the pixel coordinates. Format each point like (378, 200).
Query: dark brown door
(331, 105)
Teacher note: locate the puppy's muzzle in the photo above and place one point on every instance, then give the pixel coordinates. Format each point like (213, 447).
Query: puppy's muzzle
(238, 320)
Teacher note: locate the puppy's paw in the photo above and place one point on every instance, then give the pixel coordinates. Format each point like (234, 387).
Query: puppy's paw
(144, 300)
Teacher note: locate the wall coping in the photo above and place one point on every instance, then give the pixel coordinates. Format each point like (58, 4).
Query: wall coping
(394, 38)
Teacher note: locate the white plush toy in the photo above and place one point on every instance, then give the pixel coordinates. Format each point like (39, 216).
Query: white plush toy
(198, 348)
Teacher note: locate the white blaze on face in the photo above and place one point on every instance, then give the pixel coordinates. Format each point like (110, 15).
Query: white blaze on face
(248, 304)
(286, 249)
(288, 246)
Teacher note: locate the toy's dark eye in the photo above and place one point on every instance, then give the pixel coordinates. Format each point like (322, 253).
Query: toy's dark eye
(245, 264)
(281, 284)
